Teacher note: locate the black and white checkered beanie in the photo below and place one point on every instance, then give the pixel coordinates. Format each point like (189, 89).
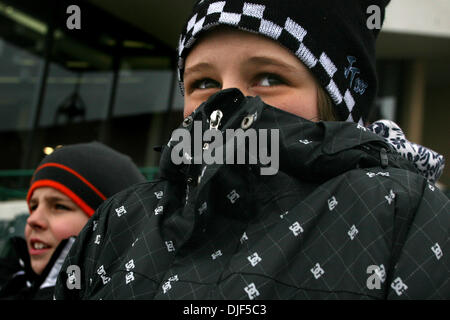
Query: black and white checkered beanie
(330, 37)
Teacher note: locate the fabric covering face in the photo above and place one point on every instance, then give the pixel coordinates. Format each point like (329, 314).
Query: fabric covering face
(335, 222)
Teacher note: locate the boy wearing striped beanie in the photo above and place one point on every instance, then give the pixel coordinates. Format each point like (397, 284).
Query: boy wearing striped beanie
(66, 189)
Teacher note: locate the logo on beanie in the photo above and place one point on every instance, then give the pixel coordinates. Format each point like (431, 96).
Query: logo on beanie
(360, 85)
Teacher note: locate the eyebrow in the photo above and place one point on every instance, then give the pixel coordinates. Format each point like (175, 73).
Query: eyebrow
(264, 60)
(256, 60)
(199, 67)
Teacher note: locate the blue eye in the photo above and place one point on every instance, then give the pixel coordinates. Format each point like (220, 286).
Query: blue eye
(268, 80)
(206, 84)
(61, 207)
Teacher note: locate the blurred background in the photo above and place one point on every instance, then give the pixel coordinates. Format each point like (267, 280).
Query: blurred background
(114, 80)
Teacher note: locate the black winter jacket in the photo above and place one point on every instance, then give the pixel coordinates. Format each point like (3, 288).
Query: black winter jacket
(345, 217)
(19, 282)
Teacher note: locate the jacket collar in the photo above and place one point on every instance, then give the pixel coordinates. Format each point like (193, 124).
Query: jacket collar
(314, 151)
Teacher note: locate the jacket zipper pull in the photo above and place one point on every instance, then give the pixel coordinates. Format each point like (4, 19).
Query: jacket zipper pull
(215, 118)
(214, 122)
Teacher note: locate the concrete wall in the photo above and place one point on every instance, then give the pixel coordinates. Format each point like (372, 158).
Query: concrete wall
(418, 31)
(420, 17)
(436, 125)
(10, 209)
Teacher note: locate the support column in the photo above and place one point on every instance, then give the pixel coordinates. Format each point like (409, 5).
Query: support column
(414, 102)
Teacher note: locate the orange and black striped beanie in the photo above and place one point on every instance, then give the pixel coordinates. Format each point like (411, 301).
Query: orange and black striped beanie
(88, 173)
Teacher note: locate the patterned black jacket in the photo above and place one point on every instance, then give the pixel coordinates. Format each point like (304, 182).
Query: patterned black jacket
(345, 217)
(18, 280)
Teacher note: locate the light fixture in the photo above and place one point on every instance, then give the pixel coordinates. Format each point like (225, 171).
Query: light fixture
(23, 18)
(48, 150)
(137, 44)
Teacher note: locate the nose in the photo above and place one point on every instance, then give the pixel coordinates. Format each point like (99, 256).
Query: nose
(244, 87)
(37, 220)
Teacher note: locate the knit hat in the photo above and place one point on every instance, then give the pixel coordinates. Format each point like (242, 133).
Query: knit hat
(331, 38)
(88, 173)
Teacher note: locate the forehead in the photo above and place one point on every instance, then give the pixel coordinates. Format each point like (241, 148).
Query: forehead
(48, 193)
(224, 37)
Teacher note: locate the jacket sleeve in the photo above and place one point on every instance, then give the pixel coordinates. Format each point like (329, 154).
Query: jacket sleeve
(101, 246)
(421, 266)
(73, 282)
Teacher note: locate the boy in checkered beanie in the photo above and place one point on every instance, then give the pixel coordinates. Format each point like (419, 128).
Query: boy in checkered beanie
(330, 38)
(331, 49)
